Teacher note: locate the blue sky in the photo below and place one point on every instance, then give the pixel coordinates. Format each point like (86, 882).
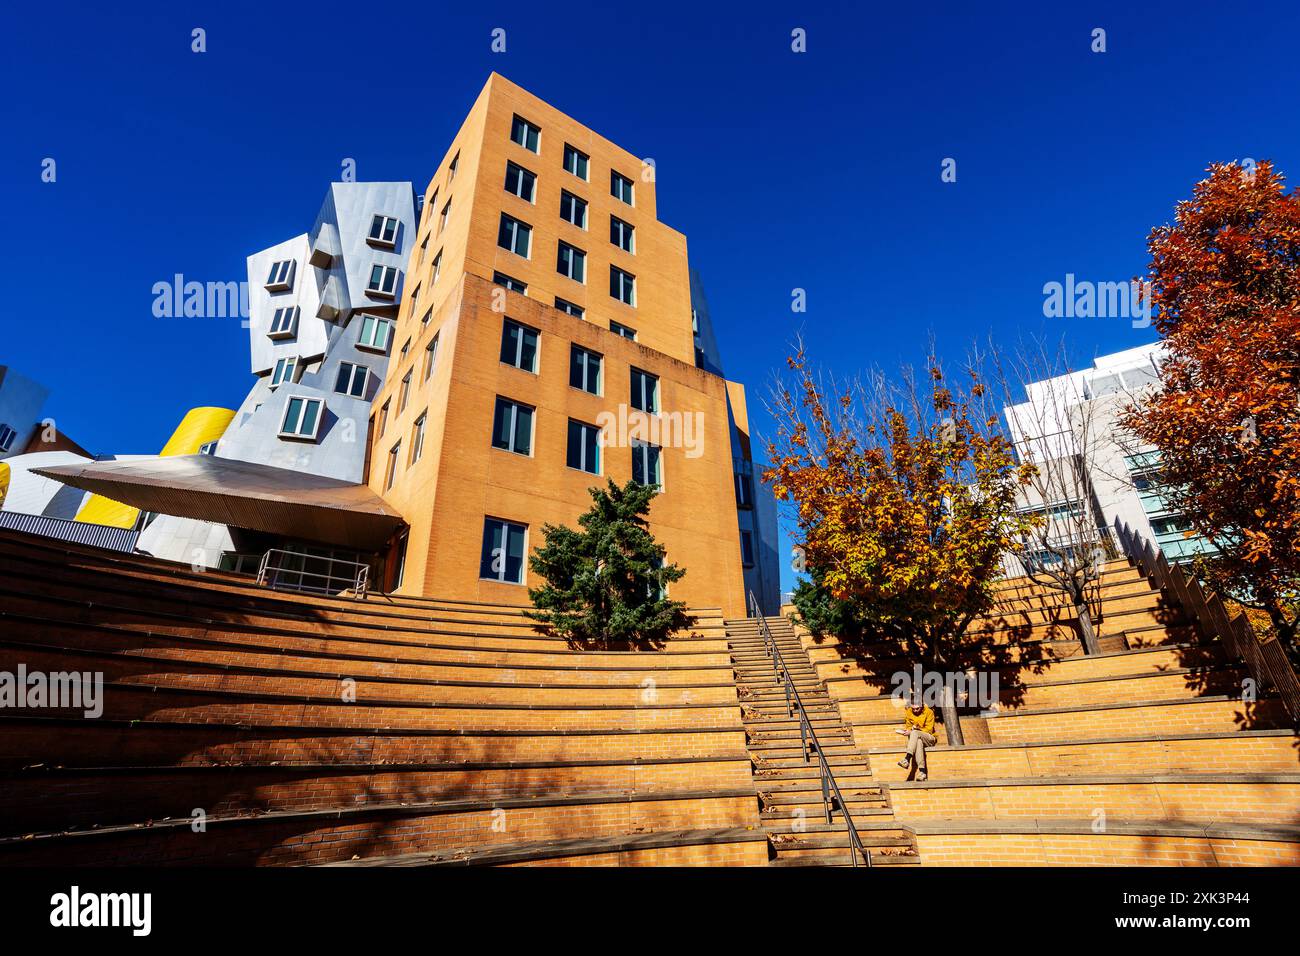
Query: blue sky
(818, 170)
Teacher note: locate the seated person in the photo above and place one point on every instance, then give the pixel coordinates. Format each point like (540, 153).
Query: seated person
(918, 728)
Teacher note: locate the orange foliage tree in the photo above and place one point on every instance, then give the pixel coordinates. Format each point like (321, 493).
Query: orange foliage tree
(905, 499)
(1225, 278)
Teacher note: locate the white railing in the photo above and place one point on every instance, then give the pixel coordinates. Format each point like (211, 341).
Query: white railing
(283, 570)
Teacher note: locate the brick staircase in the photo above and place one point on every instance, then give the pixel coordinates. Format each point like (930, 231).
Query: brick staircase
(423, 732)
(329, 731)
(1146, 754)
(790, 789)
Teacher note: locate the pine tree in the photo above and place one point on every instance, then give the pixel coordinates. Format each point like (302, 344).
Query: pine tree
(606, 584)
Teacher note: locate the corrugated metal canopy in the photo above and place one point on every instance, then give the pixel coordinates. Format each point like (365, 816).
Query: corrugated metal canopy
(242, 494)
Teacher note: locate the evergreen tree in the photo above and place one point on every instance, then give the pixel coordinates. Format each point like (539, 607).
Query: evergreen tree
(606, 584)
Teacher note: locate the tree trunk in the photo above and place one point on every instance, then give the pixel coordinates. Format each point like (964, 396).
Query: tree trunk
(951, 722)
(1089, 634)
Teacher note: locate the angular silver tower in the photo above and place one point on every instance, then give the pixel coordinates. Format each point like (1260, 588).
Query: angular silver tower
(322, 307)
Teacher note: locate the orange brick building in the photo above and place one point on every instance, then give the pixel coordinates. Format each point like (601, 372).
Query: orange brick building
(545, 343)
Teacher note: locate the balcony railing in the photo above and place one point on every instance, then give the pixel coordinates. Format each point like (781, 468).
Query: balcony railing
(283, 570)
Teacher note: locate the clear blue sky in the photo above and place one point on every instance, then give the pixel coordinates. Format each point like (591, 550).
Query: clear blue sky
(818, 170)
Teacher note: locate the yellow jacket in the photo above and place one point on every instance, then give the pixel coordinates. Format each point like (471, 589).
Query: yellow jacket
(924, 721)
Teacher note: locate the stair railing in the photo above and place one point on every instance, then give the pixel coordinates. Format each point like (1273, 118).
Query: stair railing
(807, 736)
(1265, 661)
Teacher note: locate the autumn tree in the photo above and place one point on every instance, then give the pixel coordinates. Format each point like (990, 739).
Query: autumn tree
(607, 583)
(904, 497)
(1225, 281)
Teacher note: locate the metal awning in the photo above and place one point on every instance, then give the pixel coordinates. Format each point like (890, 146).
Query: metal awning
(242, 494)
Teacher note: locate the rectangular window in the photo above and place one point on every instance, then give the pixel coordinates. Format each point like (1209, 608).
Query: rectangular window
(417, 438)
(424, 251)
(647, 464)
(584, 447)
(525, 133)
(624, 330)
(654, 590)
(383, 282)
(620, 187)
(383, 231)
(520, 182)
(281, 277)
(514, 236)
(503, 551)
(284, 322)
(453, 166)
(512, 427)
(430, 357)
(622, 285)
(406, 348)
(437, 265)
(352, 380)
(302, 417)
(426, 318)
(744, 492)
(519, 346)
(383, 419)
(284, 371)
(575, 161)
(584, 369)
(571, 261)
(645, 391)
(620, 233)
(7, 436)
(404, 393)
(375, 333)
(564, 305)
(747, 548)
(510, 282)
(394, 456)
(573, 209)
(442, 218)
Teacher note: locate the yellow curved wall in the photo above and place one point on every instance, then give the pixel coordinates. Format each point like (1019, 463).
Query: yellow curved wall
(197, 428)
(4, 482)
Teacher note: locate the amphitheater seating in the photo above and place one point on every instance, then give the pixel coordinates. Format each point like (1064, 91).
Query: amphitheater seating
(243, 726)
(1146, 754)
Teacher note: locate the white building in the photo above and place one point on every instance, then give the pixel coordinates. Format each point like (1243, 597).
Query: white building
(1076, 415)
(322, 307)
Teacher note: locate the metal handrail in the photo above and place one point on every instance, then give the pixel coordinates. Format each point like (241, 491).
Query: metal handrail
(806, 733)
(358, 583)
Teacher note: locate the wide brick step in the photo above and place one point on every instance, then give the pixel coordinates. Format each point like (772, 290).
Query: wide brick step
(1215, 714)
(723, 847)
(184, 674)
(182, 619)
(1124, 842)
(302, 837)
(1157, 685)
(56, 800)
(105, 574)
(76, 742)
(1266, 751)
(1259, 798)
(377, 658)
(843, 677)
